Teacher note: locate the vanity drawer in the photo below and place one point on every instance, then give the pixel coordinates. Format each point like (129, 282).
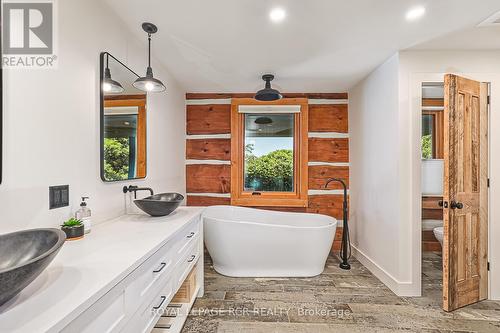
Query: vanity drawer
(108, 314)
(149, 277)
(186, 237)
(145, 319)
(186, 263)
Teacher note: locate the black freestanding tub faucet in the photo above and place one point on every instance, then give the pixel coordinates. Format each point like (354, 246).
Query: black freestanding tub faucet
(345, 250)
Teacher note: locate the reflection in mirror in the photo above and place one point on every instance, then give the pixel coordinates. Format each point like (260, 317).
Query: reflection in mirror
(123, 122)
(432, 121)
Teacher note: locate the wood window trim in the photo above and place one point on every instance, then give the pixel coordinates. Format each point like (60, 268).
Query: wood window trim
(296, 199)
(141, 126)
(438, 132)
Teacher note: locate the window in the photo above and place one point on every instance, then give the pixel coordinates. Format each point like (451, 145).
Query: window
(432, 135)
(269, 152)
(428, 145)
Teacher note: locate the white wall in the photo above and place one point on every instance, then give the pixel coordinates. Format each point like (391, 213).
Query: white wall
(385, 171)
(423, 66)
(51, 124)
(376, 204)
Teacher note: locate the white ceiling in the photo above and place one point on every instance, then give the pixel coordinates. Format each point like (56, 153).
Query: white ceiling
(321, 46)
(477, 38)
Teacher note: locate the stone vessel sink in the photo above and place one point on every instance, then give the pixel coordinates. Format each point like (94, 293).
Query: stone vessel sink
(23, 256)
(160, 204)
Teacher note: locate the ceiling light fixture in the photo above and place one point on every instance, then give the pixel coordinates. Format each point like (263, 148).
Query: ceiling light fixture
(277, 15)
(415, 13)
(108, 84)
(268, 93)
(149, 83)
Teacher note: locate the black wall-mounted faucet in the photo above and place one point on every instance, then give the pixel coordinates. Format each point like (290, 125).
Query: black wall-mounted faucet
(133, 188)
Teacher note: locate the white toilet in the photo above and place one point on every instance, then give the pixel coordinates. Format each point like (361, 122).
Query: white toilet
(438, 233)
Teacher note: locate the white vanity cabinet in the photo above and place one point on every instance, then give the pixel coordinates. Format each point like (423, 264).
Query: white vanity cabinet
(123, 283)
(135, 304)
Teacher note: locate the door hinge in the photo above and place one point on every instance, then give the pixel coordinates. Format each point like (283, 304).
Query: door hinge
(488, 99)
(488, 265)
(488, 183)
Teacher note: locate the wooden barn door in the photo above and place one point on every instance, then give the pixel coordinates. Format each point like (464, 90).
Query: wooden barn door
(465, 198)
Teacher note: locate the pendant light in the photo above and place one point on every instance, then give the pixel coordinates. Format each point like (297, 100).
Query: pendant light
(108, 84)
(268, 94)
(148, 83)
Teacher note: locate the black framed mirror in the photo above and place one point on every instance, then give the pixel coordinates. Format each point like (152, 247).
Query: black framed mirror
(123, 134)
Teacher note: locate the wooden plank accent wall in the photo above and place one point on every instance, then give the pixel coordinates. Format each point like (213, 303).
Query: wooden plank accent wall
(198, 200)
(318, 174)
(433, 102)
(429, 241)
(208, 119)
(327, 204)
(431, 209)
(328, 118)
(208, 178)
(208, 149)
(328, 151)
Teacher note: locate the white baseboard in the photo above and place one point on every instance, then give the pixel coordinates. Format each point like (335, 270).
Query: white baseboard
(398, 287)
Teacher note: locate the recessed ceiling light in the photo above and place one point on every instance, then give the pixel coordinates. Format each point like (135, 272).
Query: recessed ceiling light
(277, 15)
(415, 13)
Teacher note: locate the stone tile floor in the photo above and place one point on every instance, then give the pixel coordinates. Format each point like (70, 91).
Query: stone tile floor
(335, 301)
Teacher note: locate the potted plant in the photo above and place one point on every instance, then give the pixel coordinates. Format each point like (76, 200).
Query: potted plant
(73, 228)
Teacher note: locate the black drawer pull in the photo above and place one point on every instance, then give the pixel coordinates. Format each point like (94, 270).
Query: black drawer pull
(192, 258)
(163, 298)
(190, 235)
(162, 266)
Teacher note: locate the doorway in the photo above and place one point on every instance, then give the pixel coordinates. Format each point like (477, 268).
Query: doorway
(454, 191)
(432, 144)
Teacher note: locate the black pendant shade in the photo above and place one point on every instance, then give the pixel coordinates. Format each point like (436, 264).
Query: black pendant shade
(268, 94)
(109, 85)
(149, 83)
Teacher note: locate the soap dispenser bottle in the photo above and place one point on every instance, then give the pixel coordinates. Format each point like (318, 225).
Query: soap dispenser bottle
(84, 214)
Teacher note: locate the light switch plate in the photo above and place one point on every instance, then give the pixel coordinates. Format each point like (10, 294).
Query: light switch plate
(58, 196)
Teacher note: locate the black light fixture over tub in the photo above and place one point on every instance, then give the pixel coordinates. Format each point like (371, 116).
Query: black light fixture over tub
(268, 94)
(108, 84)
(149, 83)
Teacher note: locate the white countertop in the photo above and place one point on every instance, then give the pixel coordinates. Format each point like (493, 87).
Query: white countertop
(84, 270)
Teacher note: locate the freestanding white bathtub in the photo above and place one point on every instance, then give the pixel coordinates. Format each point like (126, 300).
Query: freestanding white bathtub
(247, 242)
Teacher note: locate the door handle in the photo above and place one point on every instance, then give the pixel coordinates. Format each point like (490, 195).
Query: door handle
(456, 205)
(191, 258)
(190, 235)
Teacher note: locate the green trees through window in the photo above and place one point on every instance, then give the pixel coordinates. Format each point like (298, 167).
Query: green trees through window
(269, 172)
(427, 146)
